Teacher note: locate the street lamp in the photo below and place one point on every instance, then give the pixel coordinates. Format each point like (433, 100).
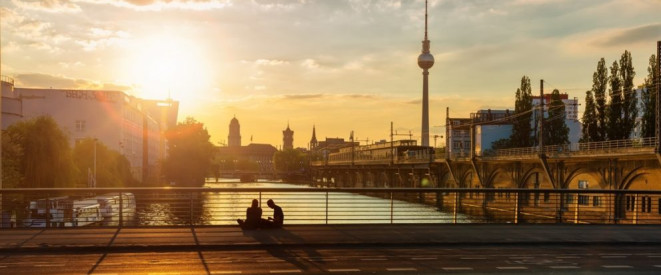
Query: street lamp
(94, 183)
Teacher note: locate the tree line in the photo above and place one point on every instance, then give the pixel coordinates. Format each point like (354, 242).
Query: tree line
(523, 131)
(36, 154)
(612, 115)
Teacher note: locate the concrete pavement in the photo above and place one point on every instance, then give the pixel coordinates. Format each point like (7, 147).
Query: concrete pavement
(231, 237)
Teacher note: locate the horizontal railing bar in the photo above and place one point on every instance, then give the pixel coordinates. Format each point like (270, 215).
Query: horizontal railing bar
(277, 191)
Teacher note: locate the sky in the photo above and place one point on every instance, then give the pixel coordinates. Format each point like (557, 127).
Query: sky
(338, 65)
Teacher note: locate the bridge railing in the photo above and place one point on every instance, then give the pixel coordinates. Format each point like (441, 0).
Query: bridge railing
(28, 208)
(643, 145)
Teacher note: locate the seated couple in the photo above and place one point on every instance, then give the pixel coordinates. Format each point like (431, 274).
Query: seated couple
(254, 217)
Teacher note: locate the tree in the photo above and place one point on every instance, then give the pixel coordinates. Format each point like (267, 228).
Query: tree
(614, 109)
(38, 154)
(590, 127)
(113, 169)
(648, 123)
(289, 161)
(599, 86)
(521, 130)
(629, 99)
(189, 153)
(556, 130)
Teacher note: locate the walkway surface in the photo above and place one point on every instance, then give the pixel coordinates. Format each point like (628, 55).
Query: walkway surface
(231, 237)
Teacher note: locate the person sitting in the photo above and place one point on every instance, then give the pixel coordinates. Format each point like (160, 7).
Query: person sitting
(253, 216)
(278, 216)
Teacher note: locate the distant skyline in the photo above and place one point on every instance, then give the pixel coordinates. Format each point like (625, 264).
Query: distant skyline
(341, 65)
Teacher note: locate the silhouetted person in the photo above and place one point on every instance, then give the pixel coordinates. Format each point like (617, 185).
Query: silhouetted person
(253, 216)
(278, 216)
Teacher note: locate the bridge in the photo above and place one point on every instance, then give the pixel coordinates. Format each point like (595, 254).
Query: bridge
(387, 237)
(609, 165)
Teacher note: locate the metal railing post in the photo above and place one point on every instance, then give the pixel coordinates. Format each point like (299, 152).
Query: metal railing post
(576, 209)
(326, 207)
(391, 209)
(456, 203)
(516, 208)
(47, 209)
(121, 210)
(190, 209)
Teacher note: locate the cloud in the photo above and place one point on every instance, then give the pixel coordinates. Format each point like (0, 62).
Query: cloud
(47, 5)
(99, 38)
(633, 35)
(38, 80)
(270, 62)
(157, 5)
(303, 96)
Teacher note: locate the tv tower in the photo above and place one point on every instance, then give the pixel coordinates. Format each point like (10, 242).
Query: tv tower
(425, 61)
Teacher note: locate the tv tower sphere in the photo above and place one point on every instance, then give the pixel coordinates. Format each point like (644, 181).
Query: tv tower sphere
(425, 60)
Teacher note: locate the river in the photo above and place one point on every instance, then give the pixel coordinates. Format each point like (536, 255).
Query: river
(223, 208)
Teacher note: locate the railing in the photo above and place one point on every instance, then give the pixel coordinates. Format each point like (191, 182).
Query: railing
(624, 146)
(222, 206)
(7, 79)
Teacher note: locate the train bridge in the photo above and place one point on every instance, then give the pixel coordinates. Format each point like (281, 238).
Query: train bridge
(609, 165)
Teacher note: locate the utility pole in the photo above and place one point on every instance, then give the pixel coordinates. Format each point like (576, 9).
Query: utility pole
(541, 116)
(657, 128)
(392, 148)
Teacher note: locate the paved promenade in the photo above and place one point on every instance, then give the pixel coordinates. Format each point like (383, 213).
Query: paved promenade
(231, 237)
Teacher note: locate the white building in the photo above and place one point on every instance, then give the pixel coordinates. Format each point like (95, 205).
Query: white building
(132, 126)
(571, 114)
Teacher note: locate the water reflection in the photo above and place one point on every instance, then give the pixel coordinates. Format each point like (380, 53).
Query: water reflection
(223, 208)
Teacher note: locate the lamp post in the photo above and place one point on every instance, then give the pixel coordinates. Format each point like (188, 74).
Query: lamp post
(94, 183)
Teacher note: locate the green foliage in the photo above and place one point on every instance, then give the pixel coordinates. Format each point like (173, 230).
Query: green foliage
(614, 109)
(502, 143)
(189, 153)
(113, 169)
(648, 123)
(289, 161)
(36, 154)
(555, 130)
(521, 130)
(590, 130)
(599, 86)
(12, 161)
(629, 99)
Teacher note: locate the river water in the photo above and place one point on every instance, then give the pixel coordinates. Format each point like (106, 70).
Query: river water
(223, 208)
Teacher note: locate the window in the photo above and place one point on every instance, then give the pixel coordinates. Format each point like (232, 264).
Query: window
(583, 200)
(646, 205)
(80, 126)
(630, 203)
(596, 201)
(547, 197)
(582, 184)
(570, 198)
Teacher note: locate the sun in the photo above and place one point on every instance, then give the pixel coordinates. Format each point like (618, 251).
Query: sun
(163, 66)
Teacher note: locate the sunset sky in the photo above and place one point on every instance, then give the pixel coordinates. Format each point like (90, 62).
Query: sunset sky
(341, 65)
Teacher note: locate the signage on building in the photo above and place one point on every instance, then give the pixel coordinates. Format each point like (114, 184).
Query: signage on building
(93, 95)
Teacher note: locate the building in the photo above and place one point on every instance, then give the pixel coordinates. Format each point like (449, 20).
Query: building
(132, 126)
(234, 137)
(287, 139)
(492, 125)
(571, 114)
(253, 158)
(313, 140)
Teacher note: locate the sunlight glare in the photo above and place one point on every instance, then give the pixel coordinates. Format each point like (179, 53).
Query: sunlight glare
(168, 66)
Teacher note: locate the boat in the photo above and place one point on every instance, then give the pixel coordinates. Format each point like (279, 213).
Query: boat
(66, 212)
(110, 207)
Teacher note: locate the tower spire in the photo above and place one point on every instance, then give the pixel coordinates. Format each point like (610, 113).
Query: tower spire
(425, 19)
(425, 61)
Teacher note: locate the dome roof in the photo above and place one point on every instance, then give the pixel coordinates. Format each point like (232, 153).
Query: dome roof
(425, 60)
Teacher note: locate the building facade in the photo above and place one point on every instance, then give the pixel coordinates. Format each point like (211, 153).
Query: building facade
(123, 123)
(287, 139)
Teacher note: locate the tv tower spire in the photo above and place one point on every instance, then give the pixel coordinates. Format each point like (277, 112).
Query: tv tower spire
(425, 61)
